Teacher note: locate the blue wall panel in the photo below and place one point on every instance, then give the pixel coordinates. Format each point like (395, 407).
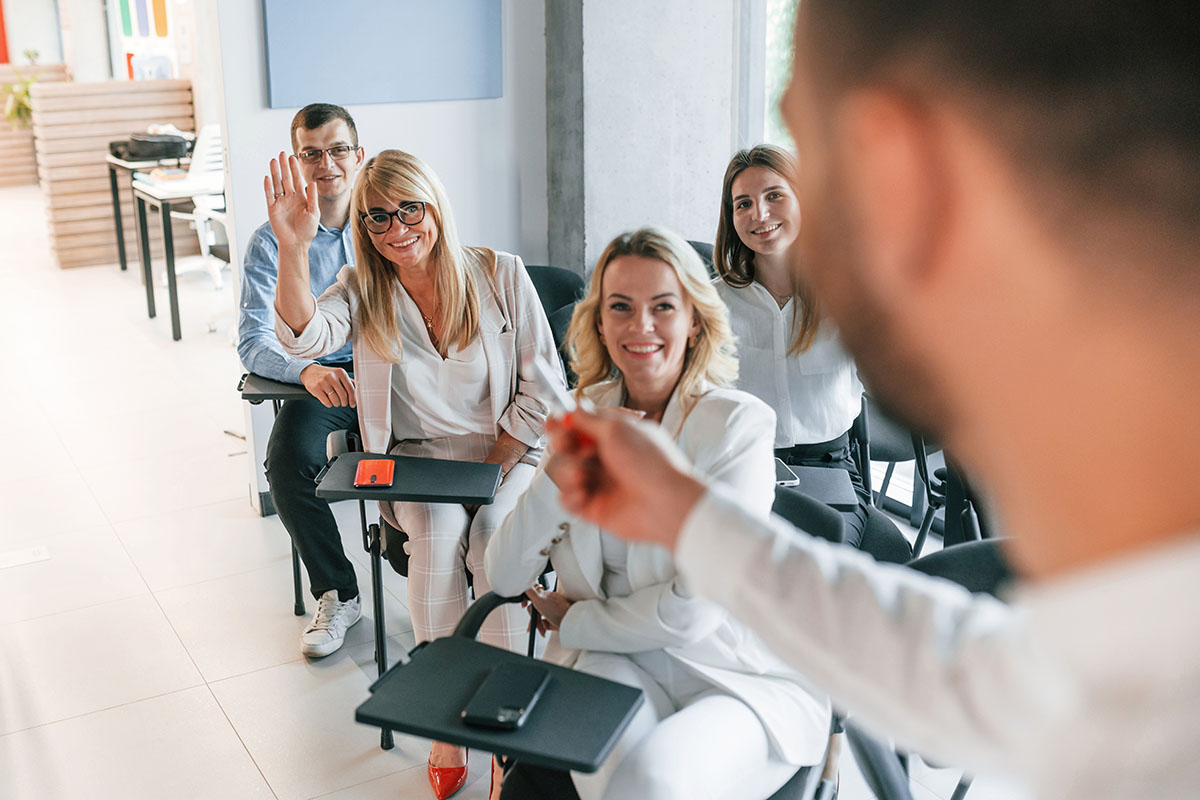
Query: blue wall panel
(381, 51)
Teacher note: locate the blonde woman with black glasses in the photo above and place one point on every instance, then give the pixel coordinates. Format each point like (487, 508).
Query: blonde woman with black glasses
(723, 717)
(438, 332)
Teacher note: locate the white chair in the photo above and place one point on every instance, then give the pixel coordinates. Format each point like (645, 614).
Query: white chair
(207, 170)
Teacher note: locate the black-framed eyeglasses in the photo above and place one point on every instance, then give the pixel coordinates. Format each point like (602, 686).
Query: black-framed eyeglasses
(379, 221)
(315, 154)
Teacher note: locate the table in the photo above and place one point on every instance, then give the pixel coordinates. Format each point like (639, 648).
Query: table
(115, 164)
(161, 194)
(427, 480)
(831, 486)
(574, 725)
(254, 390)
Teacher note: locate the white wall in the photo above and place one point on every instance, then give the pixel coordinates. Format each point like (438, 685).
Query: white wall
(32, 25)
(490, 154)
(85, 39)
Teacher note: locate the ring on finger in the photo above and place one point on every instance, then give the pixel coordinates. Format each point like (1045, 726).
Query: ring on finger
(280, 194)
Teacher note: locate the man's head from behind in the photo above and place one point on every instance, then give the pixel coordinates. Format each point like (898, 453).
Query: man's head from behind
(985, 183)
(325, 141)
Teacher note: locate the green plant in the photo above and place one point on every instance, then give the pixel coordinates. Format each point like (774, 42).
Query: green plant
(18, 107)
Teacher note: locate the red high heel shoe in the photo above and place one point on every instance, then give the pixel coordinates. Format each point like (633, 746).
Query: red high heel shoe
(446, 780)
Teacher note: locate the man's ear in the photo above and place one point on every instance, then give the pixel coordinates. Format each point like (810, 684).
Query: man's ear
(894, 177)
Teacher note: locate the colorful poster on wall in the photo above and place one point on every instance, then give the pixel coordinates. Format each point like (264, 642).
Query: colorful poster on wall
(149, 46)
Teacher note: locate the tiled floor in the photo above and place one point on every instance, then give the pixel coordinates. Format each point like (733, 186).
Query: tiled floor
(147, 645)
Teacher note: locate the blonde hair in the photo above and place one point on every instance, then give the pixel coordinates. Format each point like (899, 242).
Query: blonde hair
(711, 357)
(734, 261)
(400, 178)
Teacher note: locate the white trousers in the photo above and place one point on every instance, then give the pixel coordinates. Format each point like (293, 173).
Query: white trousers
(446, 541)
(702, 744)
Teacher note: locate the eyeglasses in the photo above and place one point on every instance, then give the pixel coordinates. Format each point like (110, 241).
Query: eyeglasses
(379, 221)
(315, 154)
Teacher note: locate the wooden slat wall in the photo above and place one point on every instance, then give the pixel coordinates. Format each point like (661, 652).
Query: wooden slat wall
(72, 126)
(17, 164)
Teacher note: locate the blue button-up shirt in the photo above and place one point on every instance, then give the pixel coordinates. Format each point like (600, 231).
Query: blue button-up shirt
(258, 346)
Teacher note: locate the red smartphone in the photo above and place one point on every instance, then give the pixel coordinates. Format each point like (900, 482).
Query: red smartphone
(374, 472)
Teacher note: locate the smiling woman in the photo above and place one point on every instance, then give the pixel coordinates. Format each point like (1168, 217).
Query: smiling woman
(652, 337)
(436, 329)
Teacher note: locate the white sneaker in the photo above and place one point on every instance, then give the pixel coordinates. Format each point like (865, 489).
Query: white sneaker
(327, 630)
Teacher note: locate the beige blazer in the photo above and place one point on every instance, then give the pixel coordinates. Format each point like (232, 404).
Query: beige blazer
(512, 323)
(728, 437)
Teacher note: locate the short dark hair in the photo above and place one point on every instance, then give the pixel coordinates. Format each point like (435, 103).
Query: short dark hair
(1104, 96)
(314, 115)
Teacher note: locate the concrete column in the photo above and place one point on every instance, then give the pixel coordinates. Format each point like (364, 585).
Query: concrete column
(643, 111)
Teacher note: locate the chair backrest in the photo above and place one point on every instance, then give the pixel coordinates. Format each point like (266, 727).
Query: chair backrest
(208, 167)
(889, 440)
(705, 251)
(556, 287)
(559, 290)
(808, 514)
(978, 566)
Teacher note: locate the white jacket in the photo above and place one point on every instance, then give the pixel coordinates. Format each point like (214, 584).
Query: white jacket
(512, 323)
(728, 437)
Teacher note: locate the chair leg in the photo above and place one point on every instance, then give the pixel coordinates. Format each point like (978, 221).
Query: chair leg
(386, 741)
(887, 479)
(926, 524)
(299, 589)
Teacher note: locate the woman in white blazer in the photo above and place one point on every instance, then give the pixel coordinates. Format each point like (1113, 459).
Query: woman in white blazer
(437, 329)
(723, 717)
(790, 356)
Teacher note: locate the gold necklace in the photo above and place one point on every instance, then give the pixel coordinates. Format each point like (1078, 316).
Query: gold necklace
(432, 336)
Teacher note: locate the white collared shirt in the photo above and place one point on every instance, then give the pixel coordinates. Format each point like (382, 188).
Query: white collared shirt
(816, 395)
(434, 397)
(1085, 687)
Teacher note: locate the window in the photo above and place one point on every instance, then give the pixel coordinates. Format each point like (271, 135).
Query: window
(781, 18)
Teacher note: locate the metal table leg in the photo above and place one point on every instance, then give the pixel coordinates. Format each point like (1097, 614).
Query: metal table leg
(164, 211)
(372, 539)
(116, 201)
(139, 211)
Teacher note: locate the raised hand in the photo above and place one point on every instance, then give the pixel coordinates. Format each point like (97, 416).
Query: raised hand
(291, 206)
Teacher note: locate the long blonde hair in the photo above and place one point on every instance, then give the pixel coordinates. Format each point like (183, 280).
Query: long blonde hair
(400, 178)
(734, 261)
(712, 356)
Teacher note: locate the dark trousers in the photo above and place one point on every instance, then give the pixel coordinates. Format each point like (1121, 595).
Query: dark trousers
(526, 782)
(834, 454)
(295, 454)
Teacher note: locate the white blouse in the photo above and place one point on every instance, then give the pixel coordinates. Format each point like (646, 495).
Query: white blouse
(432, 397)
(816, 395)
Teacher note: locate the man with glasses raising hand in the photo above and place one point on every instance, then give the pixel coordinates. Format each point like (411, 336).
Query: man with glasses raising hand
(325, 142)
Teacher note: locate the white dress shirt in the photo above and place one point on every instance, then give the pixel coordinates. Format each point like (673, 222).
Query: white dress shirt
(432, 397)
(1085, 687)
(816, 395)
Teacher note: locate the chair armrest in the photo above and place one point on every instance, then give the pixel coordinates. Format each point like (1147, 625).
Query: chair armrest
(341, 442)
(879, 765)
(472, 621)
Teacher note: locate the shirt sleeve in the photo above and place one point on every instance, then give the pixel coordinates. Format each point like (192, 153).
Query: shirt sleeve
(948, 673)
(328, 329)
(258, 346)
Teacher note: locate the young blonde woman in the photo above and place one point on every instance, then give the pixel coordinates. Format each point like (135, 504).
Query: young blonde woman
(437, 328)
(723, 717)
(790, 357)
